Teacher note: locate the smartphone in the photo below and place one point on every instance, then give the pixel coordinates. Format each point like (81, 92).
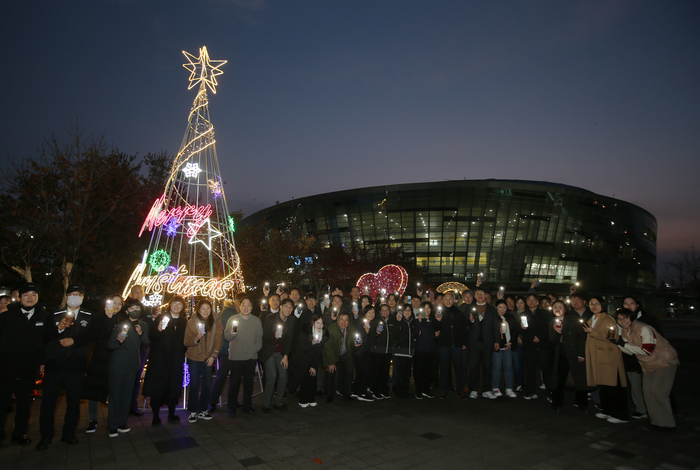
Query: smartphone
(234, 327)
(125, 330)
(380, 327)
(501, 291)
(523, 321)
(164, 322)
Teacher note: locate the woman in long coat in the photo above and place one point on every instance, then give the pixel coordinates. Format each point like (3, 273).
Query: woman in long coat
(128, 335)
(96, 385)
(163, 382)
(569, 341)
(604, 366)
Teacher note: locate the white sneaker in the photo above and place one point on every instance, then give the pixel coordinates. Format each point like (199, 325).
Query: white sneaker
(489, 395)
(312, 404)
(192, 418)
(204, 415)
(497, 392)
(543, 386)
(473, 394)
(616, 421)
(510, 393)
(602, 416)
(304, 405)
(530, 397)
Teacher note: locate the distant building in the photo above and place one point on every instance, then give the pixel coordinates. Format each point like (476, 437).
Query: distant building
(512, 231)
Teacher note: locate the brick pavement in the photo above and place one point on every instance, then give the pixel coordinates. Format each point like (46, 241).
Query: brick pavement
(390, 434)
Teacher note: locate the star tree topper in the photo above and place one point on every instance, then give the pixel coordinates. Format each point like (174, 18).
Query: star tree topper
(202, 69)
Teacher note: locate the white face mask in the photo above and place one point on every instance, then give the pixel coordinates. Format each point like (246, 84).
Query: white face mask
(74, 301)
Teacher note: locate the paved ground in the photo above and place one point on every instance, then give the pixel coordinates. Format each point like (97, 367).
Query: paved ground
(451, 433)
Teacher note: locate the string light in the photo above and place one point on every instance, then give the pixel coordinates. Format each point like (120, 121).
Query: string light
(215, 188)
(191, 170)
(202, 69)
(185, 375)
(176, 214)
(390, 278)
(154, 300)
(455, 286)
(157, 217)
(211, 233)
(159, 260)
(171, 228)
(180, 283)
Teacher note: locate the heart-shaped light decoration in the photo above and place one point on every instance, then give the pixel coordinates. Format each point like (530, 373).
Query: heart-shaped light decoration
(391, 279)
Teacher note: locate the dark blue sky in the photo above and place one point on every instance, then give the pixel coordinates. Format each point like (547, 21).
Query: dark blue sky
(328, 95)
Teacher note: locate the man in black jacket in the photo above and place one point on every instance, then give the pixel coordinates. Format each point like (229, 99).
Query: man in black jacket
(538, 350)
(278, 335)
(21, 357)
(483, 331)
(68, 334)
(452, 342)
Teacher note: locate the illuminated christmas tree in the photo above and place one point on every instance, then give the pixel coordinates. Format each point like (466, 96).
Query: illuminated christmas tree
(192, 252)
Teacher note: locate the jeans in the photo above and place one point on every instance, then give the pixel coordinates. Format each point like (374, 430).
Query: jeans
(199, 372)
(222, 372)
(503, 357)
(518, 366)
(448, 355)
(274, 372)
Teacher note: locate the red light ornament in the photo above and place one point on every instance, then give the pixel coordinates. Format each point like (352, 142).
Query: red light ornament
(157, 217)
(388, 280)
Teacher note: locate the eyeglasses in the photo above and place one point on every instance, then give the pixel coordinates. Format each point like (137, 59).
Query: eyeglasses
(594, 303)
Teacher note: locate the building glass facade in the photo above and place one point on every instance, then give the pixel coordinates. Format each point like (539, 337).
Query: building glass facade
(512, 231)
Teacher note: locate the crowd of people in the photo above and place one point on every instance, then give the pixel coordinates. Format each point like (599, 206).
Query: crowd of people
(307, 348)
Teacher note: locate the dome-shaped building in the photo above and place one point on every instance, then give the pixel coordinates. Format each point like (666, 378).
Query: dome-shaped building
(512, 231)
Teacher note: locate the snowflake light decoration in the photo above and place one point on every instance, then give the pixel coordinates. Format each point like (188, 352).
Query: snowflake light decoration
(215, 188)
(153, 300)
(171, 228)
(231, 224)
(159, 260)
(192, 170)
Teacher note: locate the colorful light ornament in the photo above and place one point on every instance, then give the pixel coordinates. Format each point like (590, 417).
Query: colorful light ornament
(231, 224)
(159, 260)
(203, 69)
(191, 170)
(185, 375)
(171, 228)
(215, 188)
(154, 300)
(451, 286)
(211, 234)
(157, 217)
(180, 283)
(389, 279)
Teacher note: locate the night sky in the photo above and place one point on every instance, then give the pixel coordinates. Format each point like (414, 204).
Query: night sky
(321, 96)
